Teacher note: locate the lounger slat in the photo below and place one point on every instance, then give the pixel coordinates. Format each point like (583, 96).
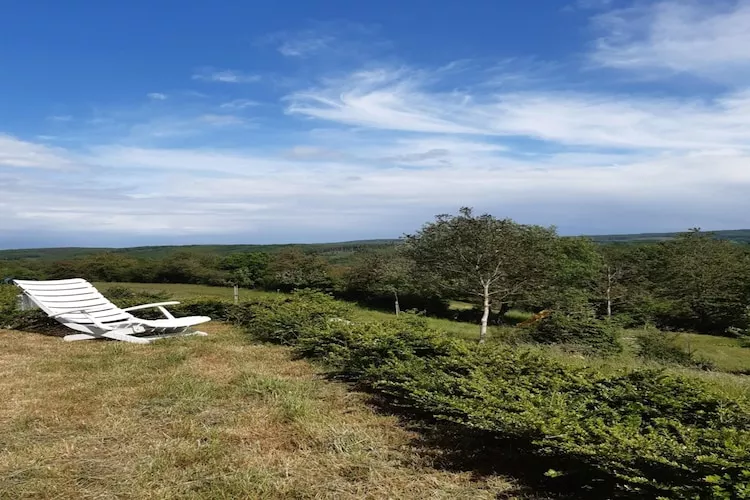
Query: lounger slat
(63, 293)
(78, 304)
(92, 309)
(83, 320)
(53, 301)
(26, 283)
(70, 298)
(43, 288)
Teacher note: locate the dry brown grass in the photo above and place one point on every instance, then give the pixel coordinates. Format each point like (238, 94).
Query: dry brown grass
(214, 417)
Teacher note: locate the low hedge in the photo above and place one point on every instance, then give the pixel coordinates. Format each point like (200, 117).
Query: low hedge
(640, 433)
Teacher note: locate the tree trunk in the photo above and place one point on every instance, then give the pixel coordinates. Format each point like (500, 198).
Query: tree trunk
(398, 308)
(486, 315)
(609, 293)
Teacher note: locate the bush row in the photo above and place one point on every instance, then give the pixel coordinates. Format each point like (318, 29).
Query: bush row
(641, 433)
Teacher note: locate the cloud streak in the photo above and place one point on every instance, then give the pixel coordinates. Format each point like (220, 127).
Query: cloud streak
(225, 76)
(401, 100)
(706, 39)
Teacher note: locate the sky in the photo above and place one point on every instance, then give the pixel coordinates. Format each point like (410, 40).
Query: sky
(227, 121)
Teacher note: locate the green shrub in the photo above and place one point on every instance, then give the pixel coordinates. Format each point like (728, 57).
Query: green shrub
(216, 309)
(8, 298)
(286, 318)
(654, 345)
(579, 331)
(640, 434)
(354, 350)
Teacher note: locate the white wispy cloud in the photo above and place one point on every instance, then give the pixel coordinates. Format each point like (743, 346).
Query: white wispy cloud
(707, 39)
(156, 96)
(330, 38)
(225, 76)
(301, 43)
(15, 152)
(239, 104)
(60, 118)
(222, 120)
(402, 100)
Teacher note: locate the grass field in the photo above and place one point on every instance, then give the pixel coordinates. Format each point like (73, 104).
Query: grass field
(220, 417)
(205, 418)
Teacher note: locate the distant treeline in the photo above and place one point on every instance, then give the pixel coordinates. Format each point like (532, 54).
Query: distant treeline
(694, 281)
(332, 251)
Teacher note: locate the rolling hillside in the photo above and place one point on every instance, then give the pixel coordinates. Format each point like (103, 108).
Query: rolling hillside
(332, 251)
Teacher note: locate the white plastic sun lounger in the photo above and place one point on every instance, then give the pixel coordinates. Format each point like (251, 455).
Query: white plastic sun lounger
(77, 304)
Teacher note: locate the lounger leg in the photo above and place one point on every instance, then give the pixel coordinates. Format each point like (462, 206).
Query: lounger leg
(78, 336)
(125, 337)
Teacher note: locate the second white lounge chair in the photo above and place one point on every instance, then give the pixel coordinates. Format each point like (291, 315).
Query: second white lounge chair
(77, 304)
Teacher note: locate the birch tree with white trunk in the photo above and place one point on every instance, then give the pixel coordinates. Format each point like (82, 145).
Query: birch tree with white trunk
(490, 259)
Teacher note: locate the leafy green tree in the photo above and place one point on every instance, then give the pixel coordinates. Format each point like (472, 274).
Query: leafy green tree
(189, 267)
(378, 273)
(247, 269)
(706, 279)
(292, 269)
(111, 267)
(568, 284)
(491, 259)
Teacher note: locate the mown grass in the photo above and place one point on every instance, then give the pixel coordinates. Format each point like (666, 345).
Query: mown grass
(210, 418)
(183, 292)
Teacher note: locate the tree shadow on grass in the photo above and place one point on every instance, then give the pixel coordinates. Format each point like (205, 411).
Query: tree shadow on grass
(456, 448)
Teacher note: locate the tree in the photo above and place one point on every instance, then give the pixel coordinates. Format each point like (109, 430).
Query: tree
(610, 283)
(492, 259)
(570, 282)
(706, 279)
(292, 269)
(377, 273)
(247, 269)
(189, 267)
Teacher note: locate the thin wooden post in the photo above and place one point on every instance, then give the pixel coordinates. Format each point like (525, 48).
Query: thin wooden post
(236, 294)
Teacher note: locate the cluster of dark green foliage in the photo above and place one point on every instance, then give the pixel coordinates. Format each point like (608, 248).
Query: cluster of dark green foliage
(13, 318)
(638, 434)
(580, 331)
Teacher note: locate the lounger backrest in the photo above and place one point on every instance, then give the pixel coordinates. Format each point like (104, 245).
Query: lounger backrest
(59, 296)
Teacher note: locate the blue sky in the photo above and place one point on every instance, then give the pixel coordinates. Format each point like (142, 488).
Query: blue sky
(131, 123)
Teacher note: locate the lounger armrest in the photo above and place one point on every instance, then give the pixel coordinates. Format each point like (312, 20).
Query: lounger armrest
(149, 306)
(159, 305)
